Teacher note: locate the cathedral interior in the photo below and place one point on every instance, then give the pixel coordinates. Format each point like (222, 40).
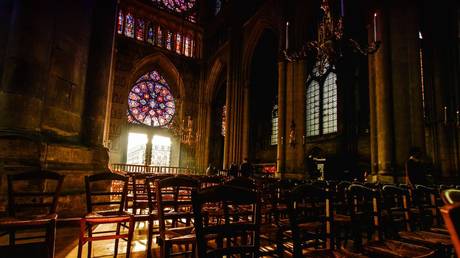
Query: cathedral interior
(330, 90)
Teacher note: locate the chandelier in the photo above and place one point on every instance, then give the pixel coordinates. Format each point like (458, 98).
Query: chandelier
(328, 47)
(183, 130)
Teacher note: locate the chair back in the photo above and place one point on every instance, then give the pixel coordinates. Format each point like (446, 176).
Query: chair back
(151, 190)
(451, 216)
(340, 197)
(424, 198)
(174, 200)
(396, 204)
(365, 211)
(239, 231)
(33, 193)
(451, 196)
(106, 192)
(140, 195)
(310, 217)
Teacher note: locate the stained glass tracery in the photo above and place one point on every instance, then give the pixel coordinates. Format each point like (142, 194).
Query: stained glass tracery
(121, 20)
(150, 34)
(129, 25)
(150, 101)
(140, 30)
(321, 101)
(185, 8)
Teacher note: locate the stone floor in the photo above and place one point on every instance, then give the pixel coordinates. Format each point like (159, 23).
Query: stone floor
(67, 243)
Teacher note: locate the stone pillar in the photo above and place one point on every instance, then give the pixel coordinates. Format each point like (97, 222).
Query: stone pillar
(281, 152)
(235, 102)
(408, 118)
(99, 71)
(383, 99)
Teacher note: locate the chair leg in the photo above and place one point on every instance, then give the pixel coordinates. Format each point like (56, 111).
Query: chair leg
(51, 237)
(80, 238)
(117, 240)
(130, 237)
(90, 243)
(149, 238)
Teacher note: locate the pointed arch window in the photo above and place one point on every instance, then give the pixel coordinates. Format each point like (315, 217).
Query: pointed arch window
(169, 39)
(140, 30)
(178, 43)
(150, 34)
(150, 101)
(224, 121)
(120, 21)
(321, 101)
(159, 36)
(274, 134)
(129, 25)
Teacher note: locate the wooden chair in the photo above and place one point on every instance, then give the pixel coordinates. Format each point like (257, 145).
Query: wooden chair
(174, 207)
(309, 209)
(342, 218)
(400, 220)
(451, 215)
(238, 235)
(153, 223)
(32, 202)
(105, 205)
(366, 216)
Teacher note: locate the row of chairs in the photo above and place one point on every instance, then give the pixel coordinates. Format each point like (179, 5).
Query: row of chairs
(215, 216)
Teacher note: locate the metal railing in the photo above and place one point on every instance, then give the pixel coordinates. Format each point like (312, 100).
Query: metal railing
(143, 169)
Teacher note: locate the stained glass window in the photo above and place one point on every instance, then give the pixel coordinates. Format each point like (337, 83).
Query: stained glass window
(150, 34)
(120, 22)
(184, 8)
(274, 134)
(321, 101)
(187, 49)
(224, 120)
(159, 36)
(169, 40)
(129, 26)
(150, 101)
(312, 109)
(330, 104)
(178, 43)
(140, 30)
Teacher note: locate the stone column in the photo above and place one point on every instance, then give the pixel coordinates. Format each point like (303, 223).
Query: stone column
(99, 71)
(383, 99)
(281, 152)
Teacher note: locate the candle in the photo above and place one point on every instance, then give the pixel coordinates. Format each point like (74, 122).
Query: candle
(375, 27)
(287, 35)
(342, 8)
(445, 114)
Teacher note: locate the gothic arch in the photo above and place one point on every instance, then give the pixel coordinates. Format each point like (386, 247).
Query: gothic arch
(253, 36)
(164, 65)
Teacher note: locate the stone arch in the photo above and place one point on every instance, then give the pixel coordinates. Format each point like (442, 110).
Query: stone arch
(218, 67)
(254, 35)
(165, 66)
